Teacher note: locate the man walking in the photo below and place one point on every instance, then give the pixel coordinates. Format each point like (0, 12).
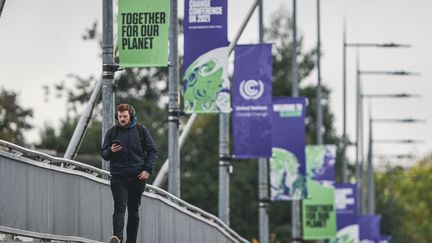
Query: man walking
(132, 155)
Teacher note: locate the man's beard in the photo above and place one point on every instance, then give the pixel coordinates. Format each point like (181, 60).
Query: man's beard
(124, 124)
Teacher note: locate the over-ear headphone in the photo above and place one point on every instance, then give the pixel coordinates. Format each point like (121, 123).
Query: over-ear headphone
(132, 112)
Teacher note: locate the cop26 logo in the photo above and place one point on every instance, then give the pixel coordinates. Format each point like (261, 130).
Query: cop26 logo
(251, 89)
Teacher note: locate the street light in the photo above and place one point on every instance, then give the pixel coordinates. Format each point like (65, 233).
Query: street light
(406, 120)
(409, 141)
(401, 95)
(394, 156)
(359, 119)
(370, 169)
(356, 45)
(401, 72)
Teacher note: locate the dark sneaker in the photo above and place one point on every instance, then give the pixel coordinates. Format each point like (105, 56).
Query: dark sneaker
(114, 239)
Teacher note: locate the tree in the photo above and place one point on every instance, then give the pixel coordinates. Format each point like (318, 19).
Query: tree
(14, 119)
(404, 199)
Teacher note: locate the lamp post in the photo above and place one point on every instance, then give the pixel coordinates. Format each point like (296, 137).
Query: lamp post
(359, 124)
(108, 70)
(295, 206)
(370, 168)
(401, 95)
(263, 171)
(394, 156)
(345, 46)
(406, 141)
(319, 92)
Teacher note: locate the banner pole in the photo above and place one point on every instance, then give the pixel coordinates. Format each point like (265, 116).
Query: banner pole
(318, 92)
(263, 162)
(295, 209)
(173, 105)
(108, 70)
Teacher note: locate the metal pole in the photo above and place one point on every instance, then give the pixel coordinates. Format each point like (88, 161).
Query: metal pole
(84, 121)
(224, 167)
(243, 26)
(162, 173)
(344, 139)
(319, 91)
(361, 151)
(372, 178)
(224, 153)
(264, 200)
(319, 106)
(108, 69)
(358, 172)
(2, 4)
(295, 209)
(173, 106)
(369, 167)
(294, 52)
(164, 169)
(263, 162)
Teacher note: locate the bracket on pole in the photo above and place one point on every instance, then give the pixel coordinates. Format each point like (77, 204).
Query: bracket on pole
(108, 70)
(174, 115)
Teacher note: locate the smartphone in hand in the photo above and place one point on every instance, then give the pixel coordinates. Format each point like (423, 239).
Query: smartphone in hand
(116, 142)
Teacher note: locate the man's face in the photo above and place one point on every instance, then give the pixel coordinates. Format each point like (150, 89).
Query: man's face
(123, 118)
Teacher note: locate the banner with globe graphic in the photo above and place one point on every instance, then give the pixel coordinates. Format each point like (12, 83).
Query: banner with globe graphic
(318, 214)
(320, 163)
(288, 165)
(206, 88)
(252, 99)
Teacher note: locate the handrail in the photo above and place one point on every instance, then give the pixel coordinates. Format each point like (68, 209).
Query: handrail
(98, 173)
(43, 236)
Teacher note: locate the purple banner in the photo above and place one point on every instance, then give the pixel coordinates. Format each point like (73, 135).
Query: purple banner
(320, 163)
(370, 230)
(288, 165)
(205, 67)
(205, 28)
(252, 99)
(346, 213)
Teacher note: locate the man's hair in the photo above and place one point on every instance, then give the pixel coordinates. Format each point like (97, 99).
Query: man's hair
(124, 107)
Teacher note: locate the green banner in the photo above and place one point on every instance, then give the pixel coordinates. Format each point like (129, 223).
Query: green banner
(143, 33)
(319, 216)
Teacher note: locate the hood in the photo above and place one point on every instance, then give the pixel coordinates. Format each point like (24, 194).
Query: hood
(132, 124)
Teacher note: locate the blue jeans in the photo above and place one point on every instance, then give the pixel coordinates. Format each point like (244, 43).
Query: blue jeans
(127, 193)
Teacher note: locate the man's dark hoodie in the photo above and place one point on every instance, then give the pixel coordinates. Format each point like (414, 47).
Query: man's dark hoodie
(135, 156)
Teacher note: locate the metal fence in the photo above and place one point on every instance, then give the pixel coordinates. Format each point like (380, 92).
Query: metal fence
(50, 195)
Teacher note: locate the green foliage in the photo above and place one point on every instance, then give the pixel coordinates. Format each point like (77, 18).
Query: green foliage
(199, 165)
(59, 140)
(404, 200)
(14, 119)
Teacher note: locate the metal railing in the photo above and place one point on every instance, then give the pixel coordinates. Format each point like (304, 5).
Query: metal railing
(41, 236)
(99, 175)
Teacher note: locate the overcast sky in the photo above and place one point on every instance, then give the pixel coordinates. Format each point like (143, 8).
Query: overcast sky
(40, 43)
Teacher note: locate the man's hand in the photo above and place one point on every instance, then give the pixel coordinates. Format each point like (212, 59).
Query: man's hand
(116, 147)
(143, 175)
